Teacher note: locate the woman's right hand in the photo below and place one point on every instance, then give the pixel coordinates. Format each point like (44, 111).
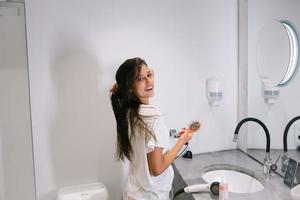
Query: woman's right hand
(185, 135)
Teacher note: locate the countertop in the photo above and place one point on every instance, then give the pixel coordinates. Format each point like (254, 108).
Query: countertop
(188, 172)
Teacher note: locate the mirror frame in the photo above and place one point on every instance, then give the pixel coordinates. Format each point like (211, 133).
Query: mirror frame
(294, 59)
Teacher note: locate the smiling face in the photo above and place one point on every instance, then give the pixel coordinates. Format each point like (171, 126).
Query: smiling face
(143, 85)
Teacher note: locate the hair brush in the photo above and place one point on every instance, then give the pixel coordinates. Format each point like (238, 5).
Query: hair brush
(194, 126)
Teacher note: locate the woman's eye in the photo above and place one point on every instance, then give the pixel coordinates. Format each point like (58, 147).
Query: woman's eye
(149, 75)
(141, 78)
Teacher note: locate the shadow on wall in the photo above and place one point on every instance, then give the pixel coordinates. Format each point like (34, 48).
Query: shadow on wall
(82, 131)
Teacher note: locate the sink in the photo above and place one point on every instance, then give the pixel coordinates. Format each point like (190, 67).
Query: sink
(240, 180)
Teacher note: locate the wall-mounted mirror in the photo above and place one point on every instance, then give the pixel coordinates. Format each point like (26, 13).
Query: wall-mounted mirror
(16, 153)
(277, 53)
(273, 50)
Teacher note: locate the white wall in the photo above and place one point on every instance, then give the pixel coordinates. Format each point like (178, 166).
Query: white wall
(287, 105)
(75, 48)
(2, 189)
(16, 155)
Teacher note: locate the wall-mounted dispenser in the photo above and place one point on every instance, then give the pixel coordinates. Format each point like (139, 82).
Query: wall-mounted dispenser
(270, 93)
(214, 92)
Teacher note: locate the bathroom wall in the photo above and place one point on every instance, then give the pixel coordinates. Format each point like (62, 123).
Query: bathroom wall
(16, 155)
(287, 105)
(75, 48)
(2, 189)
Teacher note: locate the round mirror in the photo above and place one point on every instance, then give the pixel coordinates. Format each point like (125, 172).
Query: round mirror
(278, 53)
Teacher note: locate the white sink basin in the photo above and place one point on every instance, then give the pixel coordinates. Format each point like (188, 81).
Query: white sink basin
(239, 181)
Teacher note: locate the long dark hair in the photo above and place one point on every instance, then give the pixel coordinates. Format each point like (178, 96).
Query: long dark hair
(126, 105)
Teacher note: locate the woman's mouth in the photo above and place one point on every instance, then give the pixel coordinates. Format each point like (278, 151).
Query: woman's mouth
(149, 89)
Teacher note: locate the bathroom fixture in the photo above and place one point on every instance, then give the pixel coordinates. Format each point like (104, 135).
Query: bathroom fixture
(173, 133)
(213, 188)
(284, 156)
(294, 61)
(270, 93)
(279, 39)
(93, 191)
(240, 180)
(235, 180)
(214, 92)
(268, 166)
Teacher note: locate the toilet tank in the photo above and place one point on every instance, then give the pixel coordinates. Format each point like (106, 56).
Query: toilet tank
(93, 191)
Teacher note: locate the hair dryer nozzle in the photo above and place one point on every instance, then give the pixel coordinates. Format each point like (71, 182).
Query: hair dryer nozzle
(214, 188)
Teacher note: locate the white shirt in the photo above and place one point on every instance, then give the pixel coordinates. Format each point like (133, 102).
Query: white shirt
(141, 185)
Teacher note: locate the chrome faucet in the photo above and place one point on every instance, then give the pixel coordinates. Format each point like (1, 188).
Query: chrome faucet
(268, 166)
(284, 157)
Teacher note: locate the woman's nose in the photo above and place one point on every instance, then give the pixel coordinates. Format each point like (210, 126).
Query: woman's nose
(148, 79)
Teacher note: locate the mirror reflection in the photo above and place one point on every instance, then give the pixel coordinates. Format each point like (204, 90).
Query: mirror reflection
(276, 57)
(16, 156)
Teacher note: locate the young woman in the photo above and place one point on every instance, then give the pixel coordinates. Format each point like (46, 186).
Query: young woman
(142, 136)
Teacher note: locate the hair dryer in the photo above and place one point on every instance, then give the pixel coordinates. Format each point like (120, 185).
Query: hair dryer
(213, 188)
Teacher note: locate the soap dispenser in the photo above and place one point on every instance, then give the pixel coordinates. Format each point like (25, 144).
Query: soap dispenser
(270, 93)
(214, 92)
